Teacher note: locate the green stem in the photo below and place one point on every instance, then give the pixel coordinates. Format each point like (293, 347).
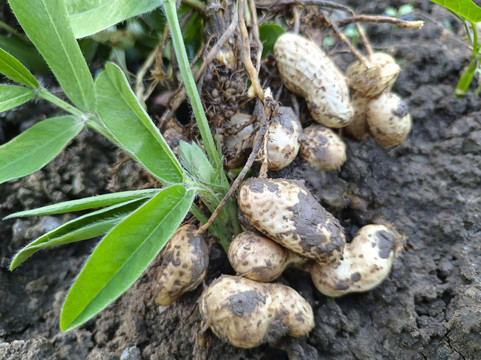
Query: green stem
(12, 31)
(46, 95)
(475, 40)
(189, 82)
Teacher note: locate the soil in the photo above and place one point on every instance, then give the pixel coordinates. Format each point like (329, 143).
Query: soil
(428, 188)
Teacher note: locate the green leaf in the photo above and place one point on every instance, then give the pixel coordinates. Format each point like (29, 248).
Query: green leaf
(467, 9)
(87, 203)
(14, 70)
(25, 52)
(122, 256)
(37, 146)
(131, 127)
(46, 24)
(82, 228)
(268, 34)
(195, 162)
(12, 96)
(87, 17)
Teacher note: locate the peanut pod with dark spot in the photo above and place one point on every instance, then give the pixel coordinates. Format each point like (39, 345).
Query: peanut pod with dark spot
(246, 313)
(184, 264)
(286, 212)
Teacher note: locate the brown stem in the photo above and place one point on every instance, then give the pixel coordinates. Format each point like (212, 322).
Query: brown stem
(382, 19)
(246, 49)
(255, 32)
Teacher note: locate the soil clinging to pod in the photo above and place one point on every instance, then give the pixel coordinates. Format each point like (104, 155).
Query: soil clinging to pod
(247, 313)
(287, 212)
(322, 148)
(366, 262)
(184, 264)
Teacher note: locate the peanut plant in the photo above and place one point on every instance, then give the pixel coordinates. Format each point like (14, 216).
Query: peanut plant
(136, 224)
(470, 15)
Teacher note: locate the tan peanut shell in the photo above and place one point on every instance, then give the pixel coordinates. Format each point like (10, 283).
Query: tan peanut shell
(283, 133)
(377, 77)
(366, 262)
(184, 264)
(358, 127)
(247, 313)
(307, 71)
(259, 258)
(322, 148)
(388, 119)
(286, 212)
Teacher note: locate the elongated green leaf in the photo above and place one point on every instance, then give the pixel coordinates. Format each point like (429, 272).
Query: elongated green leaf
(14, 70)
(87, 203)
(82, 228)
(131, 127)
(12, 96)
(87, 17)
(35, 147)
(46, 24)
(464, 8)
(124, 253)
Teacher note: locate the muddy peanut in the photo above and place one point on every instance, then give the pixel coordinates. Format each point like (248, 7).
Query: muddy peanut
(366, 262)
(247, 313)
(259, 258)
(388, 119)
(322, 148)
(307, 71)
(286, 212)
(184, 264)
(283, 134)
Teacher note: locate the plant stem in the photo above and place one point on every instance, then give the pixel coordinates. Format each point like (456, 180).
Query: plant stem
(46, 95)
(190, 86)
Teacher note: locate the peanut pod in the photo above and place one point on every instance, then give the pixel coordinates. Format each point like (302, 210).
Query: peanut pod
(307, 71)
(184, 264)
(247, 313)
(286, 212)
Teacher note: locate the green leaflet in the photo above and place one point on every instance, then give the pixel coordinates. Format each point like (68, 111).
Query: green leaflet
(12, 96)
(37, 146)
(82, 228)
(464, 8)
(87, 203)
(46, 24)
(88, 17)
(268, 34)
(14, 70)
(131, 127)
(123, 254)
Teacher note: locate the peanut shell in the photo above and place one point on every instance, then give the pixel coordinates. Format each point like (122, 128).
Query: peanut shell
(388, 119)
(307, 71)
(322, 148)
(286, 212)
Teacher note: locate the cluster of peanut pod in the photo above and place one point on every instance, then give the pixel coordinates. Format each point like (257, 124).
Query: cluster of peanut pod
(284, 225)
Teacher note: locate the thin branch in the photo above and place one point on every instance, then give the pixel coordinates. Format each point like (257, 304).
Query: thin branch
(255, 33)
(347, 42)
(418, 24)
(246, 49)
